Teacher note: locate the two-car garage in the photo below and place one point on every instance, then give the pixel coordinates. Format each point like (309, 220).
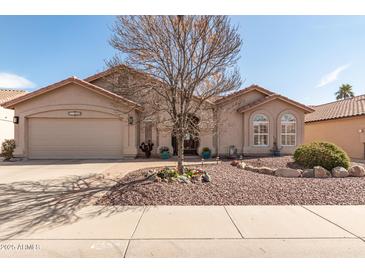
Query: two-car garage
(74, 119)
(51, 138)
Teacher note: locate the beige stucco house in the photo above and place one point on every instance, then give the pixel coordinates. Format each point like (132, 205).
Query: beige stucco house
(6, 115)
(82, 119)
(341, 122)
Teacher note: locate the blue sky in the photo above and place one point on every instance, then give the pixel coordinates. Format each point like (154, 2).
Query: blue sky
(303, 57)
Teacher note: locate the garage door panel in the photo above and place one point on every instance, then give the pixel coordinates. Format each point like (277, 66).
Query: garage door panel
(74, 138)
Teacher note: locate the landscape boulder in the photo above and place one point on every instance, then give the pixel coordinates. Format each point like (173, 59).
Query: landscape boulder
(241, 165)
(266, 170)
(321, 172)
(339, 172)
(183, 179)
(287, 172)
(206, 178)
(234, 163)
(252, 168)
(308, 173)
(196, 178)
(357, 171)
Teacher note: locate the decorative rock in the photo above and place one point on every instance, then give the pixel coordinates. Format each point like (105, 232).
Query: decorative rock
(266, 170)
(308, 173)
(234, 163)
(287, 172)
(183, 179)
(157, 179)
(321, 172)
(196, 178)
(339, 172)
(252, 168)
(357, 171)
(150, 173)
(206, 178)
(152, 177)
(241, 165)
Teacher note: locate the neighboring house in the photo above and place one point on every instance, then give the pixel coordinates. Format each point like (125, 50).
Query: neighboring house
(83, 119)
(6, 115)
(341, 122)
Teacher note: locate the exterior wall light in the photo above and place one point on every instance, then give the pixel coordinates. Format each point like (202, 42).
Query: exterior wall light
(130, 120)
(16, 119)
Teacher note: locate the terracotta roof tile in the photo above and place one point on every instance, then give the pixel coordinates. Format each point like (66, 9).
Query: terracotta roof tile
(9, 94)
(339, 109)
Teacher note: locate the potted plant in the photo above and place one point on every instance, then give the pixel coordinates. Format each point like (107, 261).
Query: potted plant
(164, 152)
(206, 153)
(275, 149)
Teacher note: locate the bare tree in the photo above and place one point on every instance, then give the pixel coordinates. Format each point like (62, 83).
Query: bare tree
(183, 62)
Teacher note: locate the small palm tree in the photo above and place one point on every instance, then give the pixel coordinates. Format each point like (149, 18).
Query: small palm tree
(345, 91)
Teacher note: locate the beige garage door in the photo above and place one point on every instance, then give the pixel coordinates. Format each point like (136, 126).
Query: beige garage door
(74, 138)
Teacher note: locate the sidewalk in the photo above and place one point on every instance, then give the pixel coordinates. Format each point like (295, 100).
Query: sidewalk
(198, 231)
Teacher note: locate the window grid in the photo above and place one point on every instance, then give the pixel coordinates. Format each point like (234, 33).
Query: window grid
(260, 130)
(288, 130)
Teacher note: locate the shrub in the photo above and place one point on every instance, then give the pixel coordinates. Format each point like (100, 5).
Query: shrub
(205, 149)
(167, 173)
(163, 149)
(7, 149)
(322, 154)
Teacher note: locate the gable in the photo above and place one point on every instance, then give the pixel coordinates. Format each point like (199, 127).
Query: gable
(241, 100)
(69, 94)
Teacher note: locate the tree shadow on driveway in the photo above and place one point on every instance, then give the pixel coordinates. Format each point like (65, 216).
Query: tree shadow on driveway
(29, 206)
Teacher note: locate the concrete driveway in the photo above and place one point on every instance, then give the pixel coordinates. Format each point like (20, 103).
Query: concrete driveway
(34, 170)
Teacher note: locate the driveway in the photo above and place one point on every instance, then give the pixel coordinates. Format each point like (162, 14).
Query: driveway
(35, 170)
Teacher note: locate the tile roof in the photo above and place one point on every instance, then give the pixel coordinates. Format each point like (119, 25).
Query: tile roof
(270, 98)
(9, 94)
(339, 109)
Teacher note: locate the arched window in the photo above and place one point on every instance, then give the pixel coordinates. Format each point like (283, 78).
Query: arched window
(260, 130)
(288, 130)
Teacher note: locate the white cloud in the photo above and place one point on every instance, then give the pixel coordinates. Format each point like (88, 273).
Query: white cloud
(9, 80)
(332, 76)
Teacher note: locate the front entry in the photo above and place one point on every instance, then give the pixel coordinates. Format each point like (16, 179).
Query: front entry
(191, 144)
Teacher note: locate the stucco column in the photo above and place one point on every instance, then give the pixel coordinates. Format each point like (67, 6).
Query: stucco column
(129, 139)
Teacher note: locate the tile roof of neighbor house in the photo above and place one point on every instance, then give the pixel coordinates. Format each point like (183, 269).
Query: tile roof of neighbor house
(69, 80)
(9, 94)
(339, 109)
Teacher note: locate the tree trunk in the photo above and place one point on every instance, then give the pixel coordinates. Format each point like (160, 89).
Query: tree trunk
(180, 153)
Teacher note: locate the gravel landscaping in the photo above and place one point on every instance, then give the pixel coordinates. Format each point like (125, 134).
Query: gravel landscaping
(233, 186)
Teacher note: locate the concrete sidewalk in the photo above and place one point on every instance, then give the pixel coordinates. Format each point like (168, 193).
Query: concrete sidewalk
(198, 231)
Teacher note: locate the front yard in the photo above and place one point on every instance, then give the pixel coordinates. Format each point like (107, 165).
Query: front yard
(234, 186)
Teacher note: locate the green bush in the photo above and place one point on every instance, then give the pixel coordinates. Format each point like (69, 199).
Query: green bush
(322, 154)
(205, 149)
(7, 149)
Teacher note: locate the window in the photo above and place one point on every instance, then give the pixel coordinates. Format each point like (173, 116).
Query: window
(288, 130)
(260, 130)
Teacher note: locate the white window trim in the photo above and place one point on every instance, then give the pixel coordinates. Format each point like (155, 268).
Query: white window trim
(288, 134)
(260, 134)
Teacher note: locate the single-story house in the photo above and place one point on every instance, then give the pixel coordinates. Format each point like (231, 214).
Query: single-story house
(6, 115)
(82, 119)
(341, 122)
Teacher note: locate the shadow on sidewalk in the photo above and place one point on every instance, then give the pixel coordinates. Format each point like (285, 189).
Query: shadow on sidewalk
(29, 206)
